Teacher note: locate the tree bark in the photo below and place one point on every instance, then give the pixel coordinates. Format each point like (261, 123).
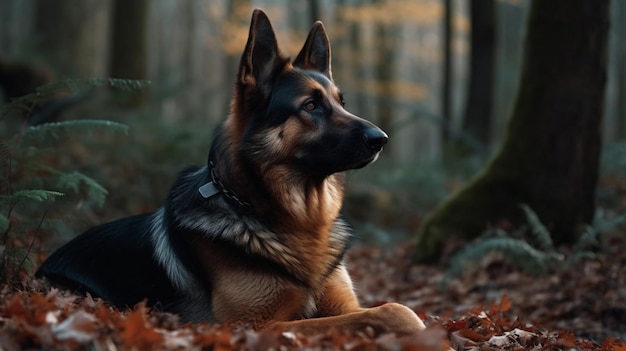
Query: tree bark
(446, 81)
(477, 121)
(72, 36)
(549, 158)
(129, 44)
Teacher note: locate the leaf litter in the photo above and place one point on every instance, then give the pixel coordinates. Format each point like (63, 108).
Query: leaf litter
(578, 308)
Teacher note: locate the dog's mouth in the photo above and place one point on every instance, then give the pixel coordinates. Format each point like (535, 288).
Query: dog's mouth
(367, 161)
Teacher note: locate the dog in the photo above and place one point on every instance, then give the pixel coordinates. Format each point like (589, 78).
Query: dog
(255, 236)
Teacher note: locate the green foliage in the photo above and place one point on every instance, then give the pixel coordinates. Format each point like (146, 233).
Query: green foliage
(24, 104)
(539, 231)
(37, 195)
(60, 130)
(590, 238)
(517, 251)
(35, 172)
(538, 260)
(74, 179)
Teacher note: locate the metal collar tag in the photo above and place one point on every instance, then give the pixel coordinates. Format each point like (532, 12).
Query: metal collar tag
(208, 190)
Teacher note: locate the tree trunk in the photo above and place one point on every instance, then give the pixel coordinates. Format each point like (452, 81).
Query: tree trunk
(549, 159)
(446, 81)
(477, 121)
(129, 44)
(72, 36)
(620, 76)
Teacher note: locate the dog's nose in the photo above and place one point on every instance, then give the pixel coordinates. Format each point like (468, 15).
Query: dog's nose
(375, 138)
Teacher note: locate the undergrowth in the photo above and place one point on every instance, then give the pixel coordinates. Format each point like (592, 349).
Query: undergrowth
(531, 248)
(34, 172)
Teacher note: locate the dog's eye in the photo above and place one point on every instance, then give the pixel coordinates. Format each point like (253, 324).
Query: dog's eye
(310, 105)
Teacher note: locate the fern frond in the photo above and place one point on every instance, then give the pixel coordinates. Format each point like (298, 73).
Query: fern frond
(72, 181)
(5, 151)
(38, 195)
(85, 84)
(128, 84)
(583, 249)
(4, 223)
(602, 224)
(539, 231)
(517, 252)
(58, 130)
(24, 103)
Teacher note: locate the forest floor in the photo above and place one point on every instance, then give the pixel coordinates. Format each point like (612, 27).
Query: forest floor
(492, 306)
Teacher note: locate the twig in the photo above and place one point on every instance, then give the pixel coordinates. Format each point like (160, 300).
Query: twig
(32, 242)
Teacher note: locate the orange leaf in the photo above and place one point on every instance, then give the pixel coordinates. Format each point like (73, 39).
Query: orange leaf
(505, 303)
(40, 306)
(474, 336)
(137, 331)
(15, 307)
(453, 326)
(567, 339)
(610, 344)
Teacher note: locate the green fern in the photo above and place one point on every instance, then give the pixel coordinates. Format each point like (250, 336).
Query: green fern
(590, 238)
(4, 223)
(539, 231)
(60, 130)
(23, 104)
(85, 84)
(73, 180)
(37, 195)
(5, 151)
(27, 176)
(520, 253)
(516, 251)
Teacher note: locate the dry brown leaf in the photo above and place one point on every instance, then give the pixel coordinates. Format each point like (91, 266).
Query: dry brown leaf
(136, 332)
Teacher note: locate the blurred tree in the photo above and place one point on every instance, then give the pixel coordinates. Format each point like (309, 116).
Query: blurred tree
(314, 10)
(549, 158)
(620, 75)
(446, 85)
(477, 119)
(72, 36)
(128, 56)
(385, 73)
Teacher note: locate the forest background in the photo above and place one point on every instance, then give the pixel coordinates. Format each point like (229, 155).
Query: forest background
(405, 65)
(389, 57)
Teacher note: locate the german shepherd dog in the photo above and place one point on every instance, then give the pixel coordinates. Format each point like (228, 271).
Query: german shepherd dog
(254, 237)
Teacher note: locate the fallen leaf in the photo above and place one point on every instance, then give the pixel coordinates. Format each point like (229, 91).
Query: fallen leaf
(81, 327)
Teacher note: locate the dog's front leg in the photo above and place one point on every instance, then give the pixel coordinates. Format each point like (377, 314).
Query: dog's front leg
(338, 308)
(387, 318)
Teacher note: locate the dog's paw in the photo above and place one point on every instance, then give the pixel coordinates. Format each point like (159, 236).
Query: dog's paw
(395, 318)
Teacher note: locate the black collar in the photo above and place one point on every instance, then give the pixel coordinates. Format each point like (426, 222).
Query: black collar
(216, 186)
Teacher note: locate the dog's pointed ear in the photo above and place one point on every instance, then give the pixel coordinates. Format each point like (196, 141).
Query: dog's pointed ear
(315, 54)
(261, 53)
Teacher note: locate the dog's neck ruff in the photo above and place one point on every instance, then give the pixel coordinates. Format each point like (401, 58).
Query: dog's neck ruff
(216, 186)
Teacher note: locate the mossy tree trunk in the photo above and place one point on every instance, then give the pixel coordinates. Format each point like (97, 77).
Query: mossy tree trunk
(549, 158)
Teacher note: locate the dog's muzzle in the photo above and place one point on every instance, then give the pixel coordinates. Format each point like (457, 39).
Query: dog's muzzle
(375, 139)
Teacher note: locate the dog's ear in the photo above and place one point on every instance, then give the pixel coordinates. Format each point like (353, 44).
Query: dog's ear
(315, 54)
(261, 54)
